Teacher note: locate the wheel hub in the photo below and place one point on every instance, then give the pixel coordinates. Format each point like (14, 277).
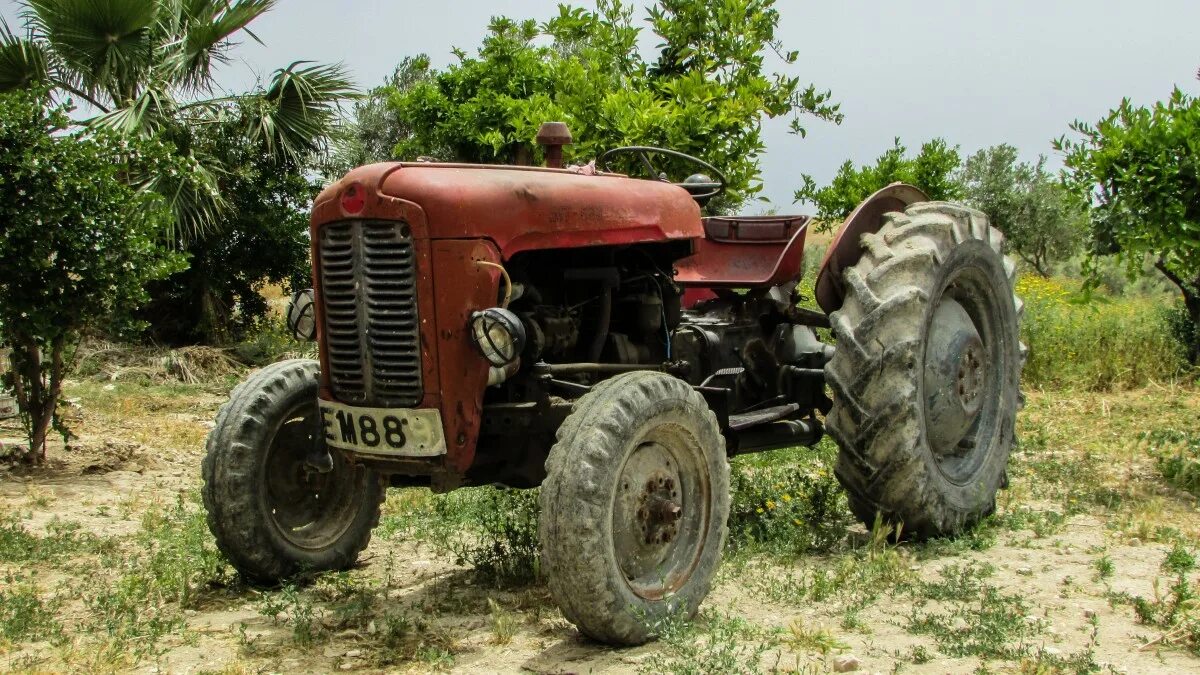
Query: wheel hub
(956, 378)
(658, 510)
(659, 516)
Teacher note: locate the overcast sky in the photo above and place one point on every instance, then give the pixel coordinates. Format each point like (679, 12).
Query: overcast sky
(974, 72)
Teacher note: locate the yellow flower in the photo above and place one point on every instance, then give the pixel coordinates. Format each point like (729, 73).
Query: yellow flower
(770, 504)
(796, 521)
(786, 497)
(758, 510)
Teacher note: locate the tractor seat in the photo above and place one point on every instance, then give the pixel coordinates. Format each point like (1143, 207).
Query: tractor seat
(758, 229)
(744, 252)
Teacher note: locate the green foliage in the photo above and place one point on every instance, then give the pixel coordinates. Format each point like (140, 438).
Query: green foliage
(932, 170)
(141, 64)
(786, 502)
(1138, 169)
(705, 94)
(262, 238)
(1092, 340)
(23, 613)
(1041, 222)
(1178, 456)
(378, 128)
(79, 241)
(492, 530)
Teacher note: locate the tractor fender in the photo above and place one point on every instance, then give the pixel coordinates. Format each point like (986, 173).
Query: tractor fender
(845, 249)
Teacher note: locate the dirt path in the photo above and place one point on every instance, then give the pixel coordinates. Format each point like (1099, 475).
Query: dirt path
(1048, 587)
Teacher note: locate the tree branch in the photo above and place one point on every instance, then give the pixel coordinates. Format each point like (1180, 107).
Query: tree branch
(1175, 279)
(96, 104)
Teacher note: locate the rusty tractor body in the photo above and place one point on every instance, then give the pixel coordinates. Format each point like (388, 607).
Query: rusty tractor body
(594, 334)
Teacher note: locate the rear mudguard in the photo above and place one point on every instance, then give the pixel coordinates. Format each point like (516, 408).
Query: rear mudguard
(845, 249)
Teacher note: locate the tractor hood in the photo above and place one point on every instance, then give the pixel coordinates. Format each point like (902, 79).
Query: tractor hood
(517, 208)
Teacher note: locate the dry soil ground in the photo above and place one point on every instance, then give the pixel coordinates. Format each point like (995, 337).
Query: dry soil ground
(105, 564)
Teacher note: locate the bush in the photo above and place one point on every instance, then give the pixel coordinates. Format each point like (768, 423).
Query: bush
(1097, 342)
(78, 246)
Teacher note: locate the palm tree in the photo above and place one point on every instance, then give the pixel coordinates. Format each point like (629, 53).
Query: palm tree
(145, 67)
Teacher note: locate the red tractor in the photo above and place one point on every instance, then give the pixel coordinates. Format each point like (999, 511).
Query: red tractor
(593, 334)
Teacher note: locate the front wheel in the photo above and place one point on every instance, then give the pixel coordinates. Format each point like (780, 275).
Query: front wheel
(925, 378)
(634, 507)
(272, 514)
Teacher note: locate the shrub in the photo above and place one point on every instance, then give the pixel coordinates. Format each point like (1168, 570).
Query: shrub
(79, 243)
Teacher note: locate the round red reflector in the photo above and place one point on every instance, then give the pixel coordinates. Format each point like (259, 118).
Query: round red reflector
(354, 198)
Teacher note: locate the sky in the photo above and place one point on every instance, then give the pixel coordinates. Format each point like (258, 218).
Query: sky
(976, 73)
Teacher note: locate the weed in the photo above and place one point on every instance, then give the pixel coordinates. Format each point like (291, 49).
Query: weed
(62, 542)
(857, 579)
(292, 608)
(1094, 342)
(787, 502)
(1105, 567)
(816, 638)
(979, 620)
(1179, 560)
(1177, 454)
(713, 643)
(23, 613)
(502, 622)
(492, 530)
(1176, 612)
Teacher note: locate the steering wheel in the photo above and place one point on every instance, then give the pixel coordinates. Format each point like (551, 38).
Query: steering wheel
(701, 186)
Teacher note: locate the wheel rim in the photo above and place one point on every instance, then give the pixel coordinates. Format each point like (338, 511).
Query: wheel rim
(963, 378)
(311, 510)
(661, 513)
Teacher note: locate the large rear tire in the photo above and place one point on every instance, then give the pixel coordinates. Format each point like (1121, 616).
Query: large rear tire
(272, 515)
(634, 507)
(926, 374)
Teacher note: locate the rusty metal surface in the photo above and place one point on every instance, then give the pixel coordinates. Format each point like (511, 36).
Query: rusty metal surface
(845, 250)
(523, 209)
(553, 136)
(745, 261)
(462, 286)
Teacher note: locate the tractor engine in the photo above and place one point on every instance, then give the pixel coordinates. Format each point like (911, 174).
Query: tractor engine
(620, 307)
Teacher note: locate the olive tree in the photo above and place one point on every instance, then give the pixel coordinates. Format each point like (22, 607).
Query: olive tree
(1139, 169)
(932, 169)
(1042, 222)
(77, 242)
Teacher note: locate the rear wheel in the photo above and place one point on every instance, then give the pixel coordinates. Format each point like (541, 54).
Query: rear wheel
(634, 507)
(272, 514)
(925, 378)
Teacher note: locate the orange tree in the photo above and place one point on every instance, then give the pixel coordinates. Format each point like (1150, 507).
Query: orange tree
(1139, 168)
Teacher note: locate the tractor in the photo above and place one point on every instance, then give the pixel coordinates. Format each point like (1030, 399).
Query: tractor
(589, 331)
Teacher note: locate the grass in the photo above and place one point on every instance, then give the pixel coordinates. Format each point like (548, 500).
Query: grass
(1177, 454)
(812, 583)
(1097, 342)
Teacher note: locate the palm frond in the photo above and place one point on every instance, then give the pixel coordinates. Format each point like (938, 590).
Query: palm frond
(106, 44)
(145, 115)
(194, 196)
(293, 117)
(22, 61)
(203, 36)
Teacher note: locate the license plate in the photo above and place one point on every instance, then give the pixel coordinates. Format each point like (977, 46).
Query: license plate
(395, 432)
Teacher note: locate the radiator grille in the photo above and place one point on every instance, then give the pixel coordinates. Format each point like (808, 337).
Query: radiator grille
(368, 293)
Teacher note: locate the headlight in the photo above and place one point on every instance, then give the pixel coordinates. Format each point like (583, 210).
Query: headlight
(499, 334)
